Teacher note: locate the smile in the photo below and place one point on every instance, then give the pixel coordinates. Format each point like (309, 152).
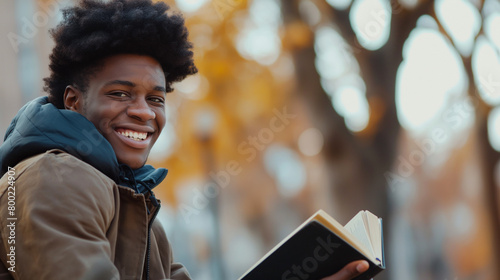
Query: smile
(135, 135)
(133, 138)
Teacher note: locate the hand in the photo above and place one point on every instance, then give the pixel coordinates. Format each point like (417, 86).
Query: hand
(349, 271)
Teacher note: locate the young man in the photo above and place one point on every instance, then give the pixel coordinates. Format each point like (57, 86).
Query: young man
(75, 190)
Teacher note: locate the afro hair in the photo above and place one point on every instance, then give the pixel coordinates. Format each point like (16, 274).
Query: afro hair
(94, 30)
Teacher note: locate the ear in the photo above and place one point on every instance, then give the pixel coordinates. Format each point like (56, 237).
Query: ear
(73, 99)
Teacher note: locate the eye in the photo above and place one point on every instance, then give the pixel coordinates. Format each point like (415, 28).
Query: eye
(158, 100)
(118, 94)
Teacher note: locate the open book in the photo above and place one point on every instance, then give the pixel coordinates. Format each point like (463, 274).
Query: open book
(321, 246)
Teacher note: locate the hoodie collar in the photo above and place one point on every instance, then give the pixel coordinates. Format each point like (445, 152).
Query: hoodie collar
(142, 180)
(39, 126)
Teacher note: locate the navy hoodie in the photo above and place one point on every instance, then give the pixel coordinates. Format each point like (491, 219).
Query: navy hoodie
(39, 126)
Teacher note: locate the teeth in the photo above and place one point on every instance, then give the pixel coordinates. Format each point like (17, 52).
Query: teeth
(137, 136)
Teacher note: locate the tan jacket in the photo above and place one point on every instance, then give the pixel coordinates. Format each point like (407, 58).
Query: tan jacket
(73, 222)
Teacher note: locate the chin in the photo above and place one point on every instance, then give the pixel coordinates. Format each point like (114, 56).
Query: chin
(133, 162)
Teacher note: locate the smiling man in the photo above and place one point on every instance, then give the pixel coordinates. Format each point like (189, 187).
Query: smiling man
(76, 188)
(76, 195)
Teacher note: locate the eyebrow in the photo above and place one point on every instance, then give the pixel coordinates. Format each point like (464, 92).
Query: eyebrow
(130, 84)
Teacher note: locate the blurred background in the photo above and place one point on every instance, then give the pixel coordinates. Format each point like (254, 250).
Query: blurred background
(300, 105)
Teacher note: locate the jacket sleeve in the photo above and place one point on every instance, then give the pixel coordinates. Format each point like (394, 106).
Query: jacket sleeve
(63, 209)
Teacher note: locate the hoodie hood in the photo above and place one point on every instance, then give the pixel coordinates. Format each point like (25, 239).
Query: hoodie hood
(39, 126)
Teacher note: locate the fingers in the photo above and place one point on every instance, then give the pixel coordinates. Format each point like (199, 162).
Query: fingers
(349, 271)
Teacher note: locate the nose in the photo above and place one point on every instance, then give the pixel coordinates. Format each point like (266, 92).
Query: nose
(140, 110)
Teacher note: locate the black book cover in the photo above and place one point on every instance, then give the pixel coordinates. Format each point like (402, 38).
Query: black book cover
(314, 252)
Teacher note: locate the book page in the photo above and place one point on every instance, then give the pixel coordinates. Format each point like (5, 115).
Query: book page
(358, 227)
(374, 230)
(329, 222)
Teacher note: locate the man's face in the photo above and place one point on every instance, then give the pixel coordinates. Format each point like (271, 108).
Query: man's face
(125, 100)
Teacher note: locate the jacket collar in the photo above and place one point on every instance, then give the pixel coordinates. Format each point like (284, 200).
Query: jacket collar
(141, 180)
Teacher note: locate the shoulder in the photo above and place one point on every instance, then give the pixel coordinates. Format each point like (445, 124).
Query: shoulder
(59, 171)
(57, 165)
(58, 189)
